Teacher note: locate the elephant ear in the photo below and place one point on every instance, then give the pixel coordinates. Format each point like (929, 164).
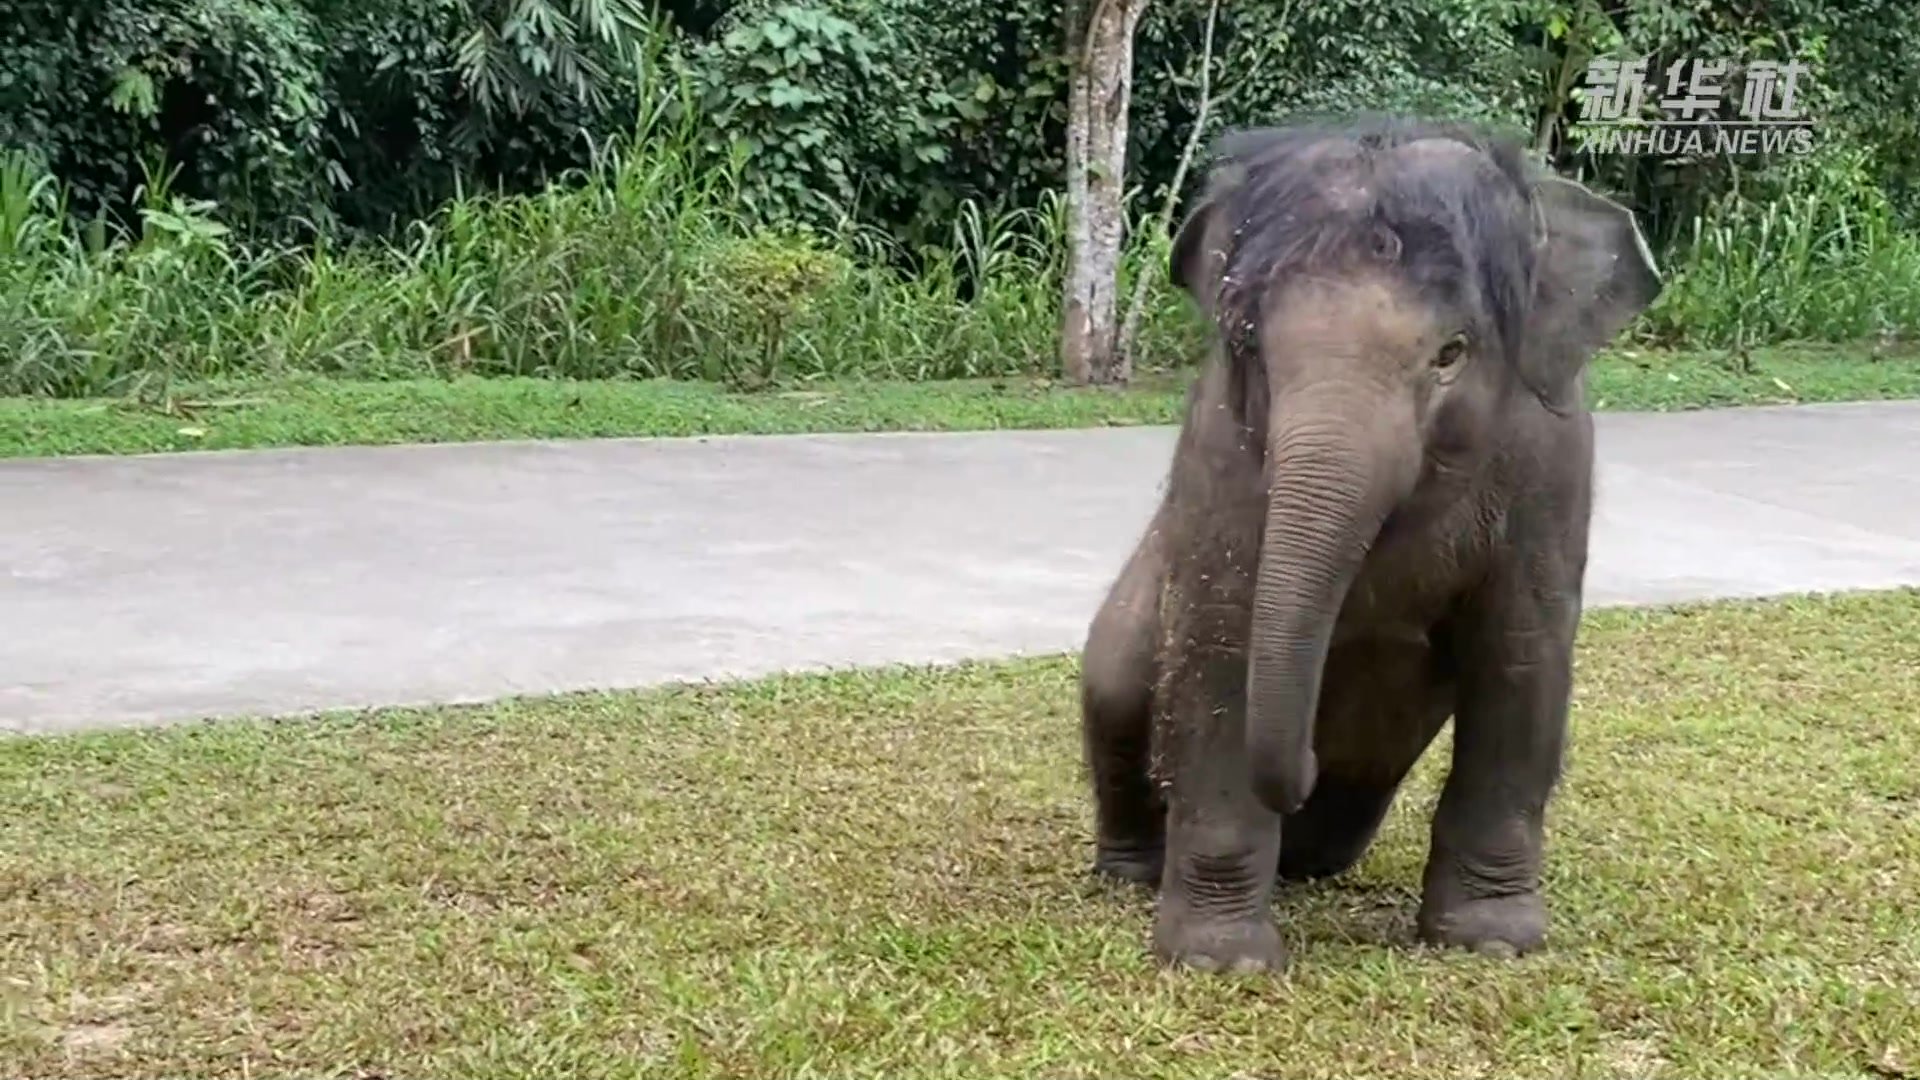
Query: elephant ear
(1594, 275)
(1198, 261)
(1198, 265)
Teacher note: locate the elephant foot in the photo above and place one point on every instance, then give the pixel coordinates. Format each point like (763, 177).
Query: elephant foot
(1498, 926)
(1239, 946)
(1131, 866)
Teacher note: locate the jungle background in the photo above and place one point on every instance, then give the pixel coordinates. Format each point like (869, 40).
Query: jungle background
(755, 191)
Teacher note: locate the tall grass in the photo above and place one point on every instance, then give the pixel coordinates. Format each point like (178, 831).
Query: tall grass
(643, 265)
(1816, 255)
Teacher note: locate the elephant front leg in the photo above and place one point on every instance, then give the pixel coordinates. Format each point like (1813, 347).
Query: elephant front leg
(1482, 883)
(1223, 844)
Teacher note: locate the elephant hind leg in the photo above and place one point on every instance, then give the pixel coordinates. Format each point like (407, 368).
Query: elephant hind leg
(1331, 833)
(1116, 700)
(1380, 716)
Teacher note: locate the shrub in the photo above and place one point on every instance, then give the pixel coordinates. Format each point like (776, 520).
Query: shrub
(644, 266)
(1812, 252)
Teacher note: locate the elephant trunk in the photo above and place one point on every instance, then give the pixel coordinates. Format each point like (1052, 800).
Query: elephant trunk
(1339, 463)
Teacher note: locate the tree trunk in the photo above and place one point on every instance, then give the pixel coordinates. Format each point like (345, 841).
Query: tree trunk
(1100, 50)
(1143, 284)
(1075, 359)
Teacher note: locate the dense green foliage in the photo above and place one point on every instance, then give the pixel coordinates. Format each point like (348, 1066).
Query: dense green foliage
(750, 189)
(287, 113)
(297, 112)
(649, 266)
(653, 266)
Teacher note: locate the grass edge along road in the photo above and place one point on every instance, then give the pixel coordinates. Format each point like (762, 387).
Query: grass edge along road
(312, 411)
(882, 873)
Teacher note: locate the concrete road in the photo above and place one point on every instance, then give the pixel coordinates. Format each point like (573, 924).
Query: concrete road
(153, 589)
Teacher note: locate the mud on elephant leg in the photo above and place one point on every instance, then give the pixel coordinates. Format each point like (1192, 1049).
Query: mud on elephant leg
(1116, 704)
(1482, 882)
(1222, 842)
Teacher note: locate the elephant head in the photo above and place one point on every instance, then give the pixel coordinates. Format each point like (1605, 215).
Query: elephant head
(1390, 298)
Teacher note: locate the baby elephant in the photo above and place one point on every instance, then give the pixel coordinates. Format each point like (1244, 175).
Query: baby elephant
(1375, 520)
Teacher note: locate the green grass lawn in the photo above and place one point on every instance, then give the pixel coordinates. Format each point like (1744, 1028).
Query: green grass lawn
(882, 874)
(322, 412)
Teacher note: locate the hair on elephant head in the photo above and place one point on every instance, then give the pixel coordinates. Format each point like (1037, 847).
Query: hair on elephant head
(1455, 226)
(1381, 291)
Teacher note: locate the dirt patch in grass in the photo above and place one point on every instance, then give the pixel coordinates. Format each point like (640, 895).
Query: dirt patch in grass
(883, 874)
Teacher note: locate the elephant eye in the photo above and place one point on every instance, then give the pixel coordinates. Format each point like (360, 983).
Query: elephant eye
(1451, 353)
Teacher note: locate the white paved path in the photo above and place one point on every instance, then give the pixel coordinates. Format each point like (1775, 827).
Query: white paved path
(150, 589)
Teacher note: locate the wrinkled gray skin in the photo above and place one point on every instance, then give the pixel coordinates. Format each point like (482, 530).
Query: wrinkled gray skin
(1376, 519)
